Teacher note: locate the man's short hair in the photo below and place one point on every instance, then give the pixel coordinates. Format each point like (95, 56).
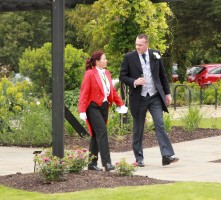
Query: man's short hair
(145, 36)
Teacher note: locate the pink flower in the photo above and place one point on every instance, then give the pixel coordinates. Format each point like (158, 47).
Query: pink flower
(135, 164)
(46, 159)
(78, 151)
(117, 163)
(84, 150)
(70, 157)
(42, 154)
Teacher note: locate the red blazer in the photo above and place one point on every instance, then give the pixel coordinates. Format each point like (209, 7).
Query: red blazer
(92, 90)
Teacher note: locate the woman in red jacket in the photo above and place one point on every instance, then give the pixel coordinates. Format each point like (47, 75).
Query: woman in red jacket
(96, 95)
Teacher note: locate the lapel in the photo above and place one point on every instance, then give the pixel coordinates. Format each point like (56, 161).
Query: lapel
(98, 79)
(137, 60)
(152, 61)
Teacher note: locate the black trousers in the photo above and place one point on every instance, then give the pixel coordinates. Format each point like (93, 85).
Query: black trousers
(97, 117)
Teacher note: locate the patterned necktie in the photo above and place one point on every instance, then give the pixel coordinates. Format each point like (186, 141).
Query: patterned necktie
(144, 57)
(104, 77)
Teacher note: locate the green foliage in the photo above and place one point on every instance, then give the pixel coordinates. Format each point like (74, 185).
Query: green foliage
(24, 119)
(75, 62)
(71, 97)
(14, 97)
(125, 169)
(196, 37)
(37, 65)
(19, 30)
(167, 122)
(208, 94)
(50, 168)
(192, 118)
(113, 26)
(77, 160)
(35, 127)
(119, 124)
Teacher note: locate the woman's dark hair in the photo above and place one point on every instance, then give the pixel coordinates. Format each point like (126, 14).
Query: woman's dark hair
(91, 62)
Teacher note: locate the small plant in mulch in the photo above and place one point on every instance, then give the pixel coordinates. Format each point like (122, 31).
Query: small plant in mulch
(125, 169)
(77, 160)
(52, 168)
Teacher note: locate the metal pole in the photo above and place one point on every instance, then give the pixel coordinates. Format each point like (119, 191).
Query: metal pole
(58, 7)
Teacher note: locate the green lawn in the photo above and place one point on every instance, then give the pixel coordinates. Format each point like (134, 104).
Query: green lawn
(205, 123)
(176, 191)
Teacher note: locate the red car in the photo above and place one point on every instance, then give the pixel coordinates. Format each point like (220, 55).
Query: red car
(174, 73)
(204, 73)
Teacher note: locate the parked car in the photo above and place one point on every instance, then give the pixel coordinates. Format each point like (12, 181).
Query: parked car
(174, 73)
(204, 73)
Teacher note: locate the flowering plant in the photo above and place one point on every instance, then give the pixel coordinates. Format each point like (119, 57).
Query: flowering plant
(52, 168)
(125, 169)
(156, 55)
(76, 160)
(49, 167)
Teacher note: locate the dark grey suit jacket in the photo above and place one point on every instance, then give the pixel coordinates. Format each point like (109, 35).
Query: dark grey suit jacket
(131, 69)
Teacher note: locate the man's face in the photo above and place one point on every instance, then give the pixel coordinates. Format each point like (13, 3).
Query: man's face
(141, 45)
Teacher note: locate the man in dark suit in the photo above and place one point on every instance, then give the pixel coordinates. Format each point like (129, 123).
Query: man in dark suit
(143, 71)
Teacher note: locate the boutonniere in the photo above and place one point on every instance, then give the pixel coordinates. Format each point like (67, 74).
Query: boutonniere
(156, 55)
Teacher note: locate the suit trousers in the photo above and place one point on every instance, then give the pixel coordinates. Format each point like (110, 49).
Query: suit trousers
(153, 104)
(97, 117)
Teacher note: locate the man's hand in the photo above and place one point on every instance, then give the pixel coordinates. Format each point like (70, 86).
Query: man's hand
(168, 99)
(139, 81)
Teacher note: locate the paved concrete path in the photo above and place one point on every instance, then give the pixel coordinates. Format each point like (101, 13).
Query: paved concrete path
(195, 161)
(195, 157)
(195, 164)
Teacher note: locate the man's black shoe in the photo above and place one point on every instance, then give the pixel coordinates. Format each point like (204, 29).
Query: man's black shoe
(140, 163)
(94, 167)
(169, 159)
(109, 167)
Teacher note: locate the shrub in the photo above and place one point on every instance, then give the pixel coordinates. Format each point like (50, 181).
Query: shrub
(119, 124)
(35, 127)
(192, 118)
(76, 160)
(167, 122)
(50, 168)
(125, 169)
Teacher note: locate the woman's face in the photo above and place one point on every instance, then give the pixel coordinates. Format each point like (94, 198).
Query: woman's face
(102, 63)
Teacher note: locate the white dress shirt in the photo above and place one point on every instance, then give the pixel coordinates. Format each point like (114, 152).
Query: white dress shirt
(105, 83)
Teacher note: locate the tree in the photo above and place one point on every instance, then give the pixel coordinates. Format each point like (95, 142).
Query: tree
(196, 33)
(114, 25)
(37, 65)
(20, 30)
